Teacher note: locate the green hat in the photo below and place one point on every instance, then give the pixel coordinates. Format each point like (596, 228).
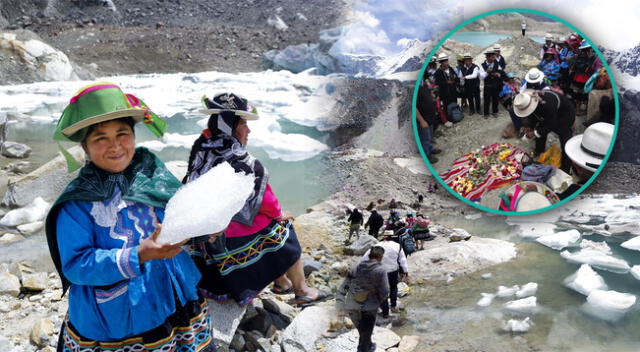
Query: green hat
(99, 102)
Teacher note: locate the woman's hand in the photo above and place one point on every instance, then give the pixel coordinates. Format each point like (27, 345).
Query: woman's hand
(149, 249)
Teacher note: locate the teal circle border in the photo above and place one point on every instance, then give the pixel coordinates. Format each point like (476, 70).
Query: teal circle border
(415, 123)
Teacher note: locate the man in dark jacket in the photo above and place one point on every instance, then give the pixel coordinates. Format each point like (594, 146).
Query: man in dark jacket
(361, 293)
(355, 221)
(471, 77)
(446, 80)
(492, 75)
(543, 112)
(374, 223)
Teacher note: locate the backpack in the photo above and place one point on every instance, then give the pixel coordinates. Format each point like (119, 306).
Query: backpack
(407, 242)
(454, 112)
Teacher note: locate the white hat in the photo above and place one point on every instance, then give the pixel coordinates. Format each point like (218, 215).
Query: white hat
(524, 104)
(496, 47)
(530, 195)
(443, 57)
(589, 149)
(467, 55)
(534, 76)
(548, 36)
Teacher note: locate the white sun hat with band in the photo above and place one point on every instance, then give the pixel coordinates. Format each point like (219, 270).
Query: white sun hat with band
(588, 150)
(534, 75)
(524, 104)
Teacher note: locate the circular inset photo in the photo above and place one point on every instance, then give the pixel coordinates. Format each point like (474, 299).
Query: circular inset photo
(517, 120)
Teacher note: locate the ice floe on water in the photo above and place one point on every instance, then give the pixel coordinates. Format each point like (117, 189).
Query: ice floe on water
(486, 299)
(597, 259)
(527, 290)
(609, 305)
(559, 240)
(279, 96)
(504, 291)
(633, 244)
(514, 325)
(596, 245)
(585, 280)
(522, 306)
(635, 271)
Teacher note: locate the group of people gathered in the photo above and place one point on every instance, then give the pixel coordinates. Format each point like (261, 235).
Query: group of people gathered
(129, 292)
(372, 284)
(569, 80)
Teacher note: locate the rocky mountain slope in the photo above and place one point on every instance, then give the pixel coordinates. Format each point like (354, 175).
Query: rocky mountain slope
(106, 37)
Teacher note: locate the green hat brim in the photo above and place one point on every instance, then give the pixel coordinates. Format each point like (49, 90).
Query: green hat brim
(136, 114)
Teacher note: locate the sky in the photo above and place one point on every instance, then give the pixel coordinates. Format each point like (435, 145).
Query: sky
(381, 27)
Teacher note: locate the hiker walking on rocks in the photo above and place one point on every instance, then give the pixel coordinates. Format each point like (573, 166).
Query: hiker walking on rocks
(374, 223)
(492, 75)
(470, 73)
(543, 112)
(394, 263)
(126, 291)
(356, 219)
(362, 293)
(523, 26)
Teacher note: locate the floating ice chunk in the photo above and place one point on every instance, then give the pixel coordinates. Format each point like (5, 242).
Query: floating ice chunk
(206, 205)
(597, 259)
(504, 291)
(609, 305)
(534, 230)
(527, 290)
(486, 299)
(486, 276)
(633, 244)
(559, 240)
(523, 306)
(635, 271)
(598, 246)
(33, 212)
(577, 217)
(474, 216)
(514, 325)
(585, 280)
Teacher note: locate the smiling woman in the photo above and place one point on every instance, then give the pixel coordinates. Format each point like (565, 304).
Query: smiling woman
(102, 235)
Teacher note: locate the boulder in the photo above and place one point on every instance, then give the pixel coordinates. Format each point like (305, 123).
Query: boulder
(9, 284)
(32, 227)
(382, 337)
(35, 281)
(237, 343)
(409, 343)
(361, 245)
(41, 332)
(310, 266)
(442, 259)
(8, 238)
(225, 318)
(35, 211)
(307, 327)
(15, 150)
(47, 181)
(278, 307)
(314, 229)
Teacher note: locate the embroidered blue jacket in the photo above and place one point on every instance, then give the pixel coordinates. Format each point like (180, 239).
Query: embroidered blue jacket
(112, 296)
(550, 69)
